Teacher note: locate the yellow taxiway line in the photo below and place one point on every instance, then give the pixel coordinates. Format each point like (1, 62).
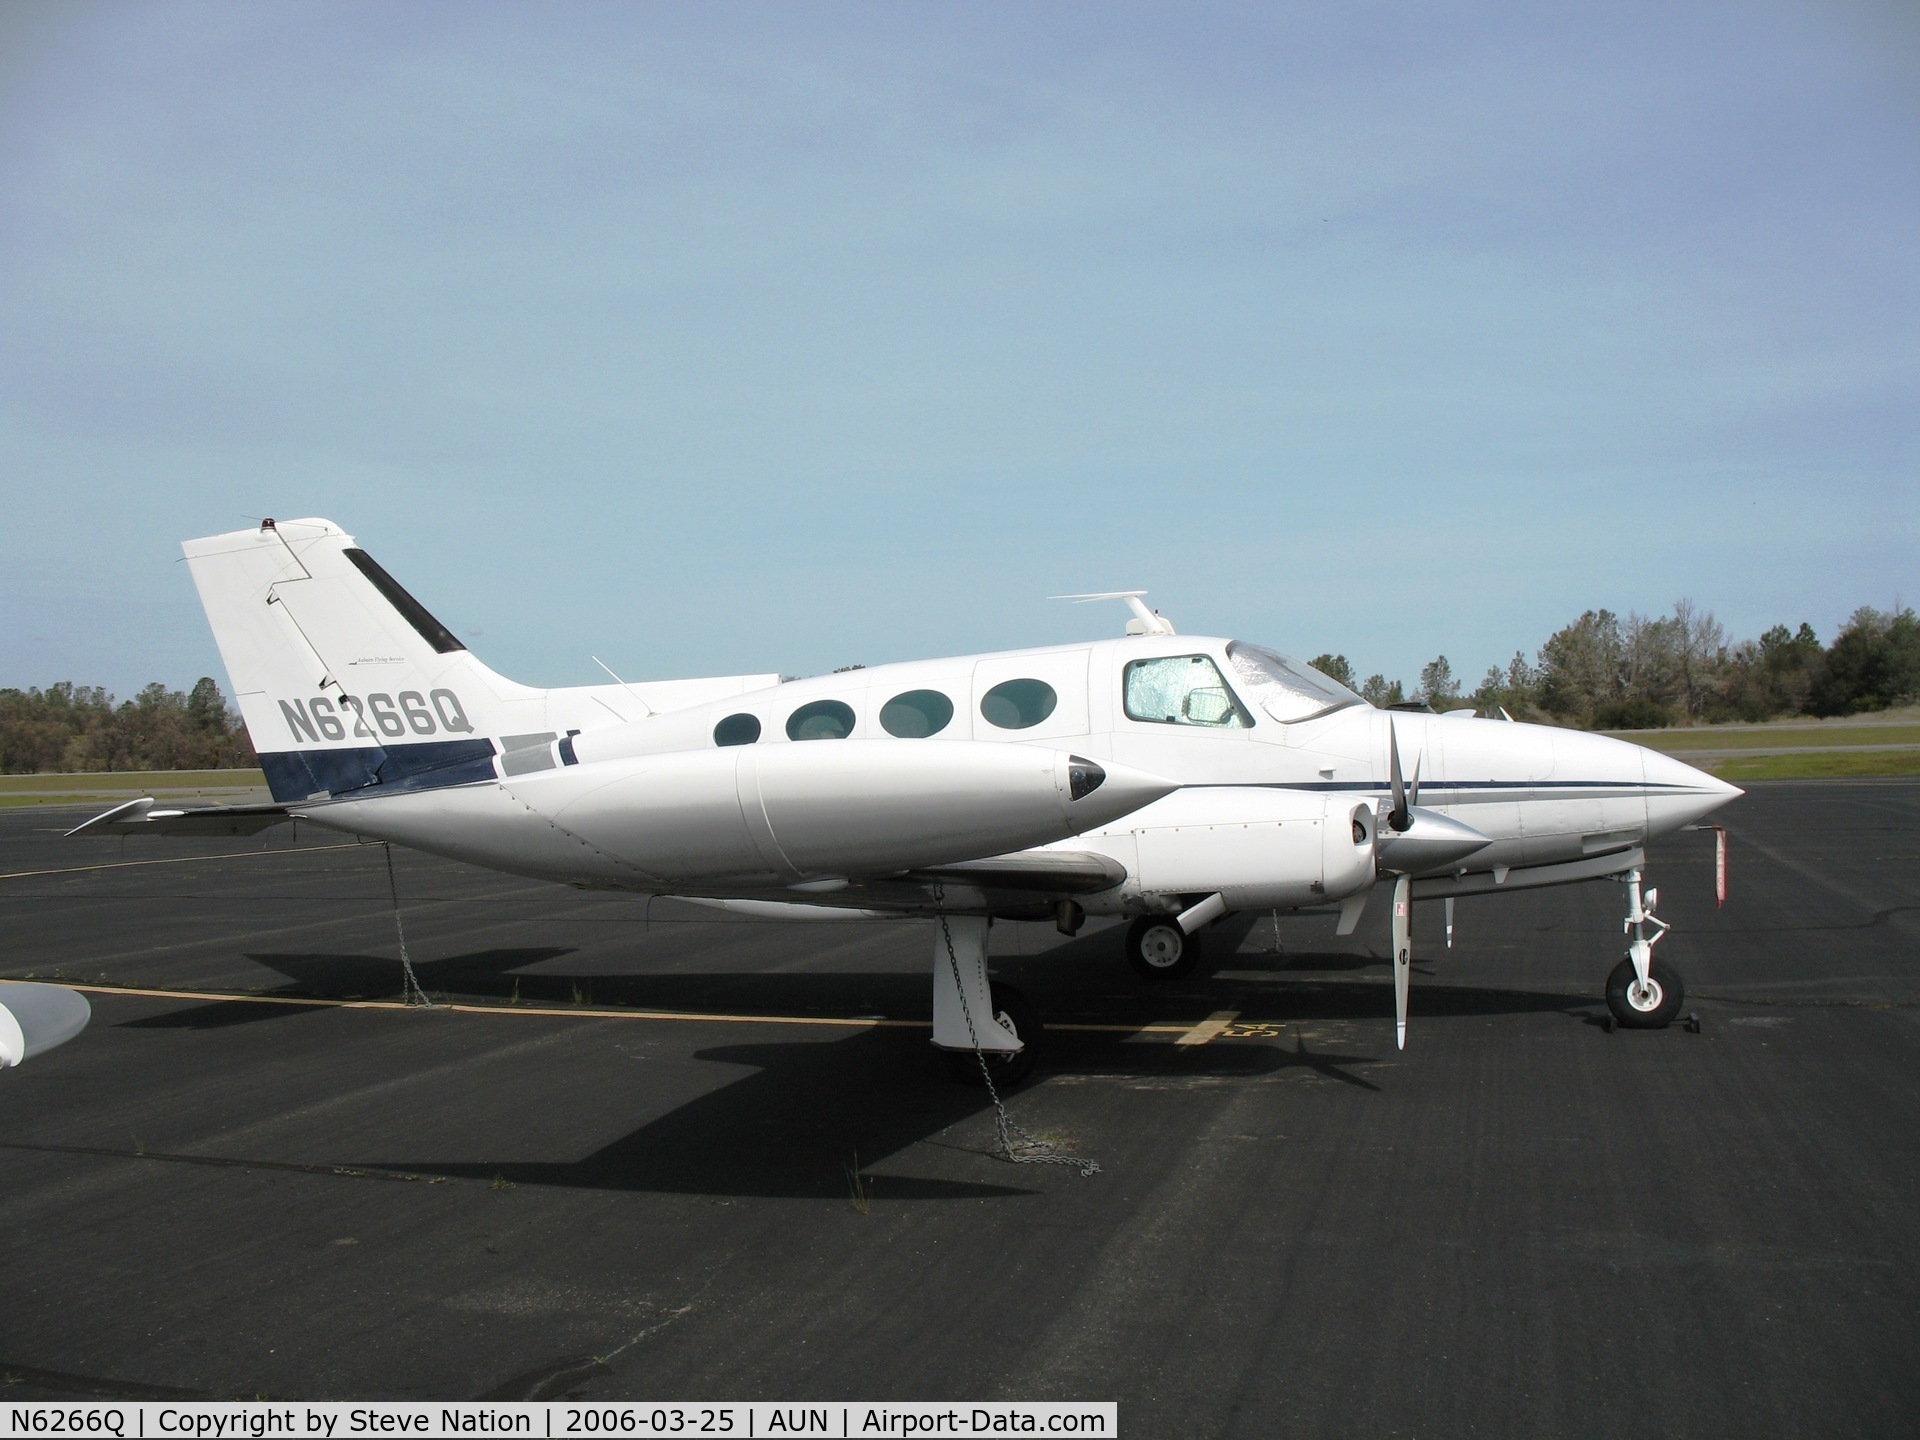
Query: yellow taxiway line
(1210, 1028)
(181, 860)
(1206, 1029)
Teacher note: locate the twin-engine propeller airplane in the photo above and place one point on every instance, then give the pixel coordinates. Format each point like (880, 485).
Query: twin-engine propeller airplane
(1172, 779)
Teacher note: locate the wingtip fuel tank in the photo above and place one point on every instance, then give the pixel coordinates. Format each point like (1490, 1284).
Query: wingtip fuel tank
(765, 815)
(34, 1018)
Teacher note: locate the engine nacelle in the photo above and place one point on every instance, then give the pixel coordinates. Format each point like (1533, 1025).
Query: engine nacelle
(1259, 848)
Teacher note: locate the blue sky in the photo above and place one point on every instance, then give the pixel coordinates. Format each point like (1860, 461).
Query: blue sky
(726, 337)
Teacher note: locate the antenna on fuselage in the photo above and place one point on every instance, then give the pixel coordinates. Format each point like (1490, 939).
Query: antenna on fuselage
(1144, 622)
(623, 685)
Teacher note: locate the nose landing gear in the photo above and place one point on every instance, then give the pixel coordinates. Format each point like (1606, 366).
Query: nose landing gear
(1644, 993)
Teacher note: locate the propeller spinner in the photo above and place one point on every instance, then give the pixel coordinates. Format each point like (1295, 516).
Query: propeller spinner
(1415, 840)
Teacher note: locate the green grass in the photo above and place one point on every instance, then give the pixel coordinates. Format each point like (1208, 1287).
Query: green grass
(95, 800)
(1819, 765)
(1772, 737)
(142, 782)
(110, 785)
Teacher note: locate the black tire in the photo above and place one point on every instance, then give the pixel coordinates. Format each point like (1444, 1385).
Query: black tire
(1645, 1012)
(1011, 1009)
(1158, 949)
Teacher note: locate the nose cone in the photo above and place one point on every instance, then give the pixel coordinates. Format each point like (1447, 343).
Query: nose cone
(1104, 790)
(1679, 795)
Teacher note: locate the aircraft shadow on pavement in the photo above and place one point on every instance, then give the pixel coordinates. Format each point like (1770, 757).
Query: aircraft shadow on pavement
(1065, 984)
(794, 1125)
(1294, 999)
(793, 1128)
(790, 1129)
(1300, 987)
(1087, 1056)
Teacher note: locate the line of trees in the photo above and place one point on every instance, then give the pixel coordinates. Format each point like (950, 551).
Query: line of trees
(1601, 671)
(1610, 673)
(70, 728)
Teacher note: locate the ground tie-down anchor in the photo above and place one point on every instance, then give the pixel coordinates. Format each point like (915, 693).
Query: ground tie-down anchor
(410, 990)
(1017, 1146)
(1690, 1022)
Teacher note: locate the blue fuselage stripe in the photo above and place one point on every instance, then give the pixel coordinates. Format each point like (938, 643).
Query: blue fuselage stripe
(1428, 787)
(371, 770)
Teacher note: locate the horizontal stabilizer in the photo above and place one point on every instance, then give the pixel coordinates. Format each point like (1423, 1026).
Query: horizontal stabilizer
(146, 816)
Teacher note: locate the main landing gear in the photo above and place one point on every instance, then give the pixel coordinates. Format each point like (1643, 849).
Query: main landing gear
(1644, 993)
(975, 1021)
(1158, 949)
(1165, 947)
(1011, 1013)
(988, 1034)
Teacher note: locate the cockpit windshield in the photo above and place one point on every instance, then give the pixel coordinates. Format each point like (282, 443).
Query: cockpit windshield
(1283, 687)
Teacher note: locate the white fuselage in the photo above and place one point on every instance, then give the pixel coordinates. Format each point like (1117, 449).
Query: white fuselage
(836, 778)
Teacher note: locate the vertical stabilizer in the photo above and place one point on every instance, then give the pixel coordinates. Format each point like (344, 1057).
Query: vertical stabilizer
(344, 679)
(347, 682)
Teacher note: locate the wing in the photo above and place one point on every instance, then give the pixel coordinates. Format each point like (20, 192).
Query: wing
(1026, 885)
(1051, 872)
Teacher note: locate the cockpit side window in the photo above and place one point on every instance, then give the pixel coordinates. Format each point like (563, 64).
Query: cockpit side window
(1283, 687)
(1182, 690)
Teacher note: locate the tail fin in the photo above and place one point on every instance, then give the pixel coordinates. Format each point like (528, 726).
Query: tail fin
(343, 678)
(346, 681)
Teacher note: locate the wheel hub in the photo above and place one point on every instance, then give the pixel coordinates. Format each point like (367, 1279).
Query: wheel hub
(1161, 946)
(1645, 997)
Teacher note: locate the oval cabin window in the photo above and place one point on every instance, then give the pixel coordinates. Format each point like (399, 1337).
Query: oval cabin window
(1018, 704)
(916, 714)
(821, 720)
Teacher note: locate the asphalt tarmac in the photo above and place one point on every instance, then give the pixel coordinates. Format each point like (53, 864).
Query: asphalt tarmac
(1522, 1225)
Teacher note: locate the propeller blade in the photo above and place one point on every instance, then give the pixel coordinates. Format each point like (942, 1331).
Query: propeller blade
(1413, 790)
(1402, 954)
(1398, 817)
